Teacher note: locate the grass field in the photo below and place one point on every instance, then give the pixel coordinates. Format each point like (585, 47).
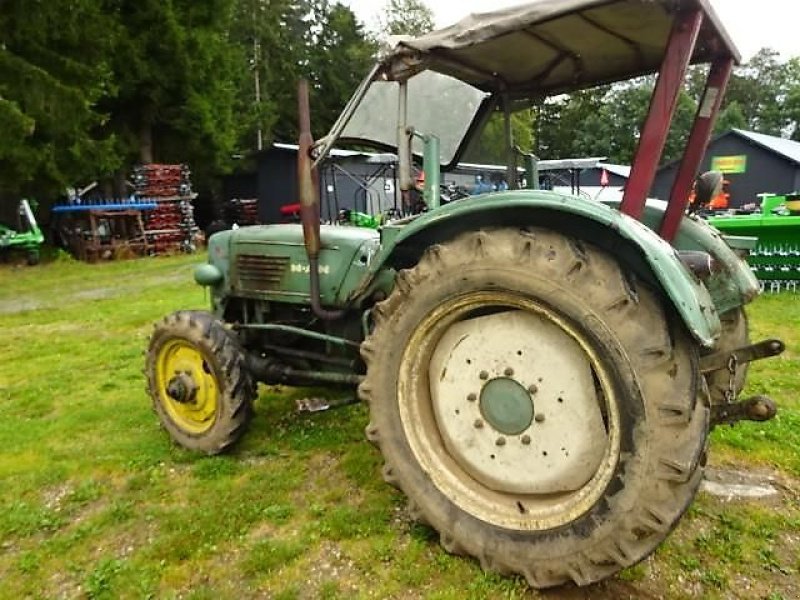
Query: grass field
(95, 502)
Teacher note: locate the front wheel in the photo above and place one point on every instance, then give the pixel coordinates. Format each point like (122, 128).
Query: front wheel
(535, 405)
(201, 389)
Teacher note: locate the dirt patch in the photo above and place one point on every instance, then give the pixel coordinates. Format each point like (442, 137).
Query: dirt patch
(95, 294)
(325, 478)
(17, 305)
(53, 497)
(331, 564)
(28, 303)
(607, 590)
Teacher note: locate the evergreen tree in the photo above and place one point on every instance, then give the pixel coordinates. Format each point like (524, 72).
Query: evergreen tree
(177, 81)
(52, 74)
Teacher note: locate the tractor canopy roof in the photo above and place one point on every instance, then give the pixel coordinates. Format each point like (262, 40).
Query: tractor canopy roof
(554, 46)
(457, 75)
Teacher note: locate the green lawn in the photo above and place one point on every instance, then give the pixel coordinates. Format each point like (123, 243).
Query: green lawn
(96, 502)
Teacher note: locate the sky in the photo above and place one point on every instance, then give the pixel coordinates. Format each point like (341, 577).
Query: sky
(752, 25)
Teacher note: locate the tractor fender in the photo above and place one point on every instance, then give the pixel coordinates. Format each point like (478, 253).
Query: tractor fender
(732, 284)
(631, 242)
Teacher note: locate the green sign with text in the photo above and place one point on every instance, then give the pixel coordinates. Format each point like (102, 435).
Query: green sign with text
(729, 164)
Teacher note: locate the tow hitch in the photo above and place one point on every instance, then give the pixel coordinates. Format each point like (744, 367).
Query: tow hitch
(723, 360)
(757, 408)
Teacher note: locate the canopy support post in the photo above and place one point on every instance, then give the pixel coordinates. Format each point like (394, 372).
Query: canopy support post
(511, 155)
(707, 111)
(678, 55)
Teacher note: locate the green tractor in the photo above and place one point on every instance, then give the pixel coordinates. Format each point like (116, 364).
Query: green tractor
(27, 238)
(541, 370)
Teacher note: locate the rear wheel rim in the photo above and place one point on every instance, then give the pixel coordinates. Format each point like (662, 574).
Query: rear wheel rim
(453, 475)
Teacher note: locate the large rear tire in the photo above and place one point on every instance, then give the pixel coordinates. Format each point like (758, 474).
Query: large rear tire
(201, 389)
(491, 316)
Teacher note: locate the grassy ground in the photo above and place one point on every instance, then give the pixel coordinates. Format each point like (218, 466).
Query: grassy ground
(96, 502)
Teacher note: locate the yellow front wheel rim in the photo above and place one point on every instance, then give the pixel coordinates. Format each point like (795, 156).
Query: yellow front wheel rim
(187, 386)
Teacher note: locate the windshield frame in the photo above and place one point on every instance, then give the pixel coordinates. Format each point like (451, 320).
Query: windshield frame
(379, 74)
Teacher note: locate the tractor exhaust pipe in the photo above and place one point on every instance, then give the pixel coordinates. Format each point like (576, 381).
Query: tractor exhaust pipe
(309, 202)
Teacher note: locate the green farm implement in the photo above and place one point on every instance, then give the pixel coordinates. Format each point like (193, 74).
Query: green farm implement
(541, 370)
(26, 238)
(775, 259)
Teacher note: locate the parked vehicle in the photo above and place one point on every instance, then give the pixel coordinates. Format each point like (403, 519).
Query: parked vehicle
(27, 238)
(542, 370)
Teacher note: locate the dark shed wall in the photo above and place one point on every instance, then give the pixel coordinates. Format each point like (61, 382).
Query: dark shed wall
(353, 184)
(277, 183)
(766, 171)
(240, 185)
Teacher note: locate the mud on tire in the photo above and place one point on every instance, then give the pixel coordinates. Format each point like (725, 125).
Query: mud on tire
(654, 407)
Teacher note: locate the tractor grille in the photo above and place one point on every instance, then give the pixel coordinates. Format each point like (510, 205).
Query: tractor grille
(260, 273)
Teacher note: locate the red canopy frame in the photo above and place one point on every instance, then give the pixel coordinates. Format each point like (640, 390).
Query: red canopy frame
(672, 74)
(682, 41)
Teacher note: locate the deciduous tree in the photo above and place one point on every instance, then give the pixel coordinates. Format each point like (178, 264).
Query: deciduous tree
(406, 17)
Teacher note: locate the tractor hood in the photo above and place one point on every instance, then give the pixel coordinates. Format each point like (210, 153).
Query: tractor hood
(269, 262)
(553, 46)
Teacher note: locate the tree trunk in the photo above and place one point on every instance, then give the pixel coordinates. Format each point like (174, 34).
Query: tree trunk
(146, 142)
(120, 187)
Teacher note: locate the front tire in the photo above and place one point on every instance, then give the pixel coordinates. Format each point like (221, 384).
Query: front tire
(201, 389)
(457, 345)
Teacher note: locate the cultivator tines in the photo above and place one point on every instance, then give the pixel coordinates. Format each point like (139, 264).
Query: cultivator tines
(171, 226)
(776, 263)
(777, 286)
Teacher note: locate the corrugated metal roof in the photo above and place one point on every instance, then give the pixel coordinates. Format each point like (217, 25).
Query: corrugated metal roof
(786, 148)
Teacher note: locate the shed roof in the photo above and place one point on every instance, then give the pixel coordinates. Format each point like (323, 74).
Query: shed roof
(788, 149)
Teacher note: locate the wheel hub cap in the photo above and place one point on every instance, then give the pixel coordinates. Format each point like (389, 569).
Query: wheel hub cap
(515, 403)
(182, 388)
(506, 406)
